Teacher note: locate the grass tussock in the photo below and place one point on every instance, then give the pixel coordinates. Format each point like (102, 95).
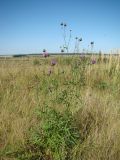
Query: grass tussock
(69, 109)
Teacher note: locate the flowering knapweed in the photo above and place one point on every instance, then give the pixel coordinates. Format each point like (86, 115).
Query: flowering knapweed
(92, 44)
(45, 55)
(93, 61)
(53, 62)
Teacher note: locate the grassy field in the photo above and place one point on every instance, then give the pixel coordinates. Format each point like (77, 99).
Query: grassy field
(62, 109)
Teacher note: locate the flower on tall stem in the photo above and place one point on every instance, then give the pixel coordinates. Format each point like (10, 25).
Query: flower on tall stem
(92, 45)
(44, 50)
(62, 50)
(61, 24)
(66, 41)
(80, 39)
(45, 54)
(77, 44)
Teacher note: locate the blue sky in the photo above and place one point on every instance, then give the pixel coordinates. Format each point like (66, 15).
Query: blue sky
(28, 26)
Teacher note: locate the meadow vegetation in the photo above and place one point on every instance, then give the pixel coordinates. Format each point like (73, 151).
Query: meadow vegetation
(66, 110)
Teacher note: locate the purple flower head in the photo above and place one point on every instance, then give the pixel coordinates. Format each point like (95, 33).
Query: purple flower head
(45, 54)
(93, 61)
(53, 62)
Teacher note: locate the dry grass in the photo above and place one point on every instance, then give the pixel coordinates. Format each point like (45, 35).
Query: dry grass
(25, 86)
